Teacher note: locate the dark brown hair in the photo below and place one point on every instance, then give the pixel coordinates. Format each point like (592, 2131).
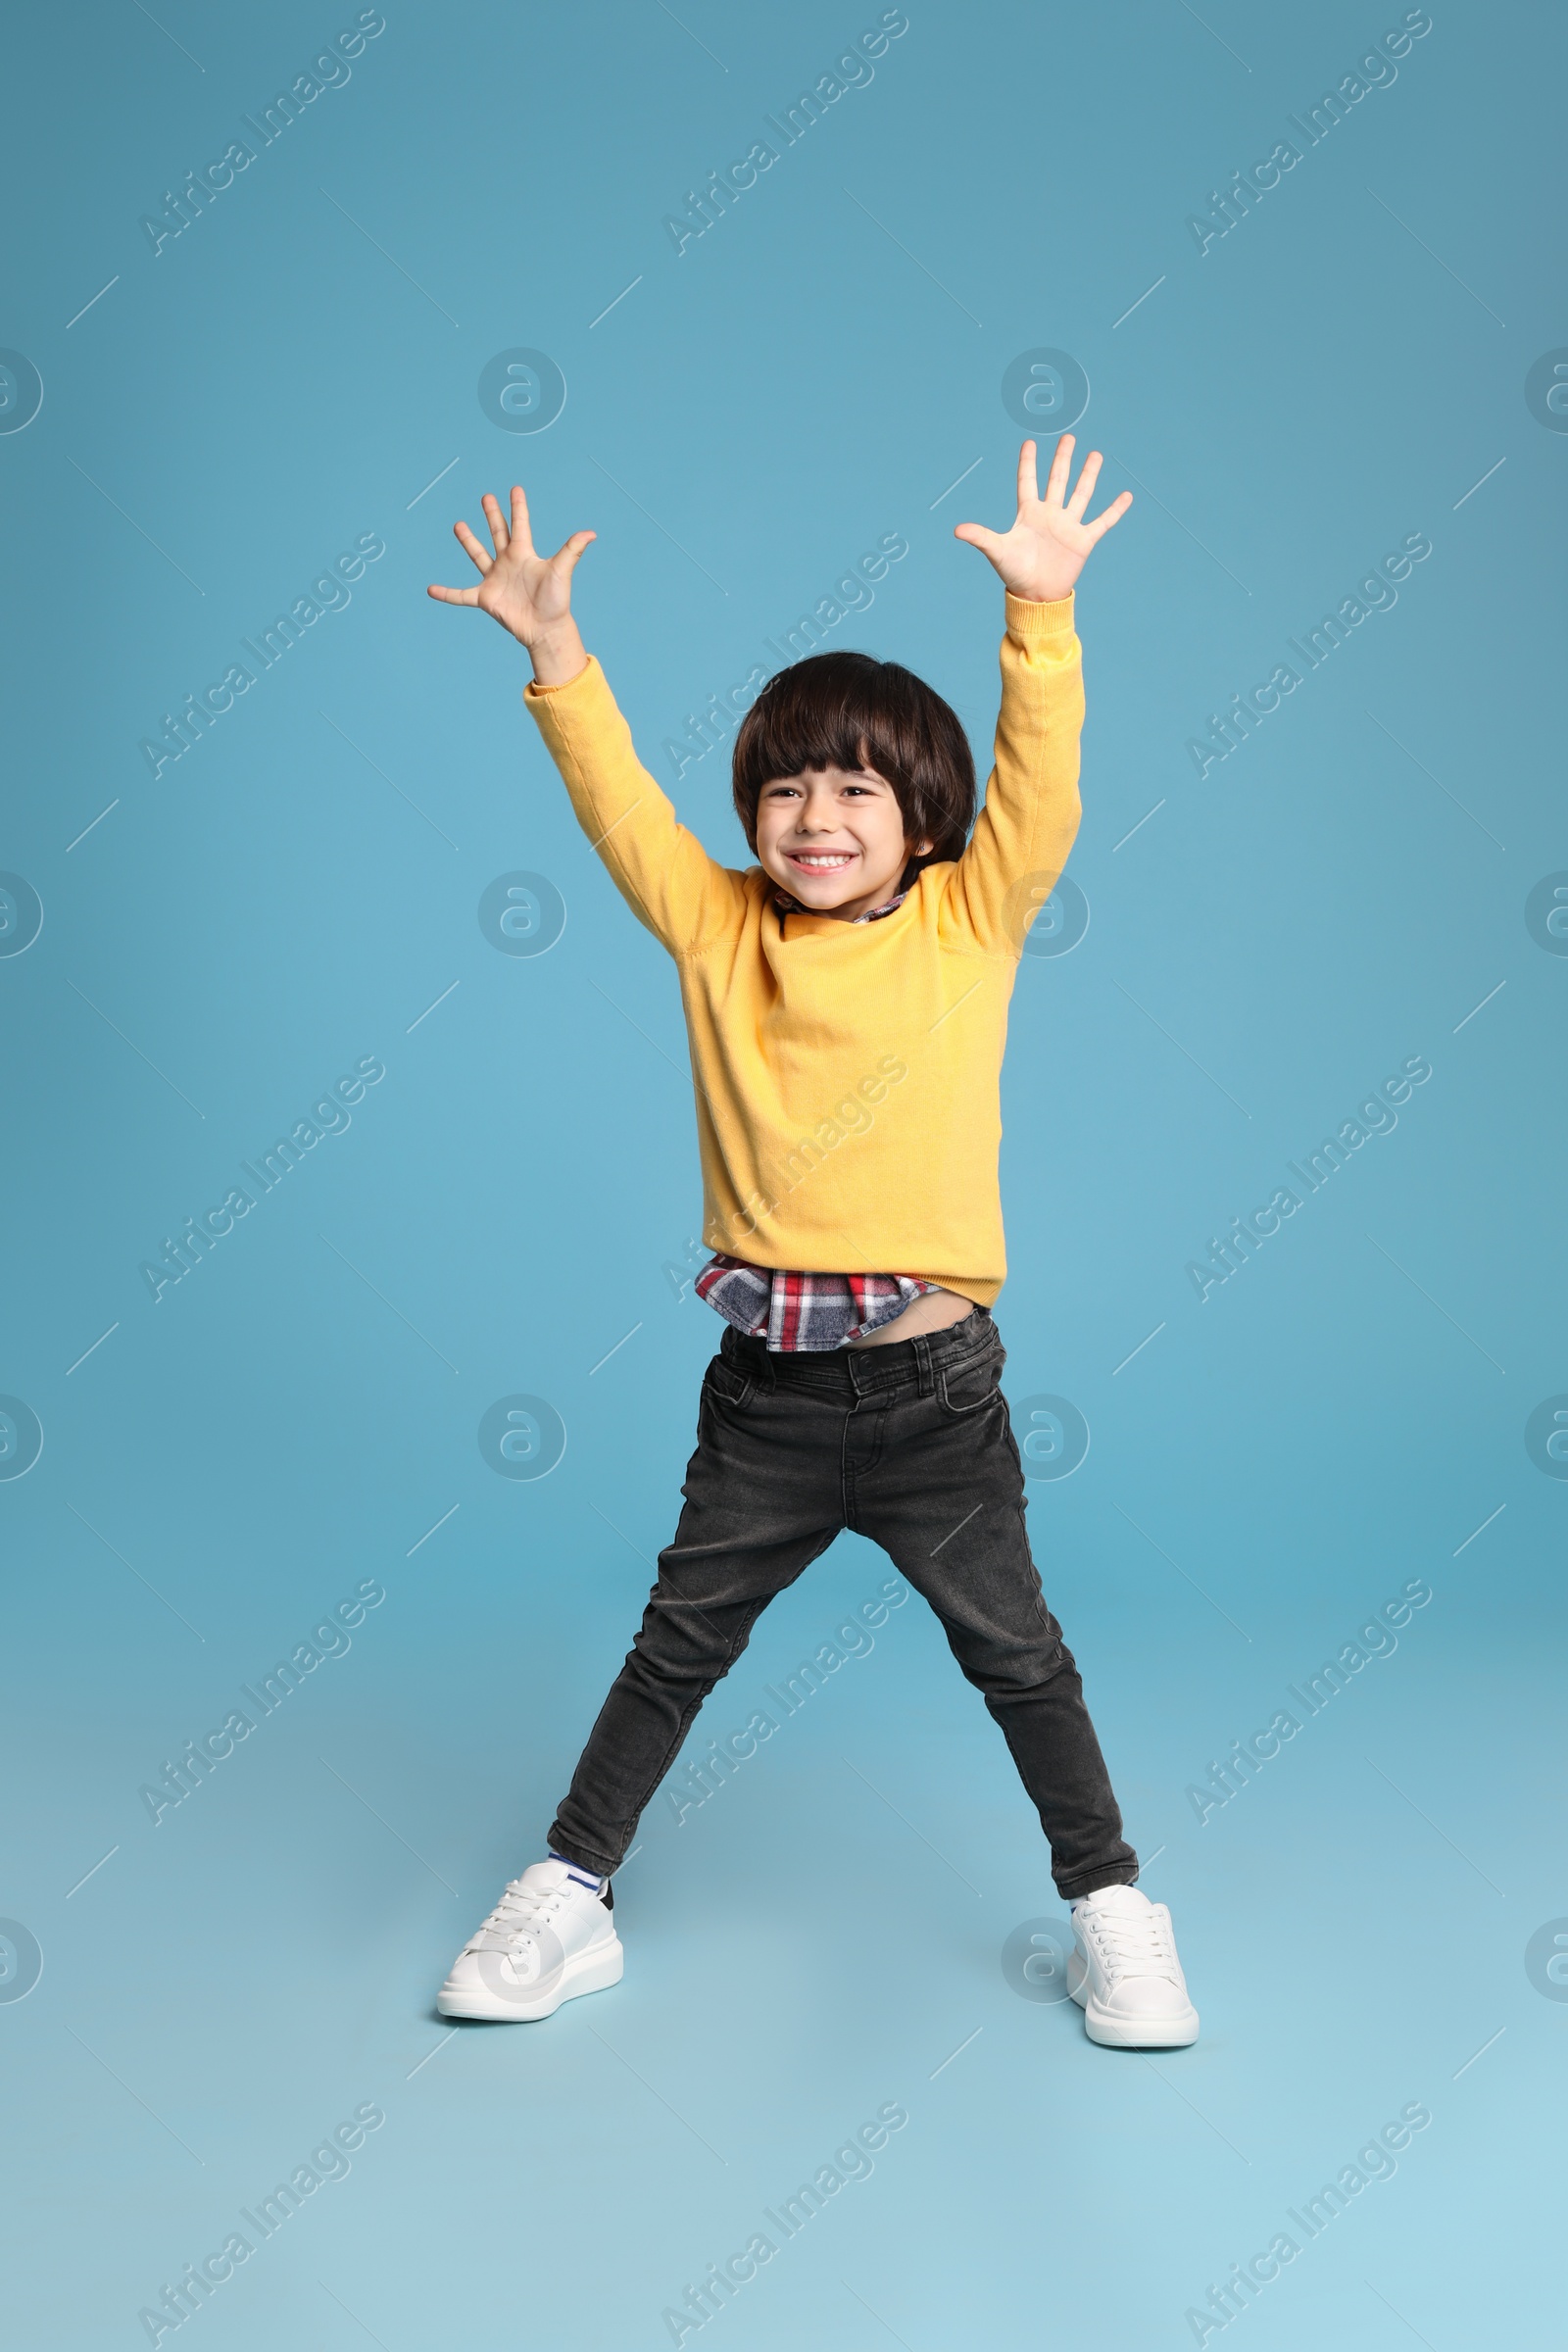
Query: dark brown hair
(849, 711)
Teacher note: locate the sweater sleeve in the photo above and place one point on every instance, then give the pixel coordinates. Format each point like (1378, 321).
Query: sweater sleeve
(663, 872)
(1021, 842)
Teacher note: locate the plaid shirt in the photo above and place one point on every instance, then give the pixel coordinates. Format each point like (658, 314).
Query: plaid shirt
(798, 1313)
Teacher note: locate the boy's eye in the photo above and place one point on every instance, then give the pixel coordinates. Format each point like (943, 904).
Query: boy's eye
(866, 790)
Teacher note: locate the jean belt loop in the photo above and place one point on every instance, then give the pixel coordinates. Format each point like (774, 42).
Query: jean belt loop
(923, 1356)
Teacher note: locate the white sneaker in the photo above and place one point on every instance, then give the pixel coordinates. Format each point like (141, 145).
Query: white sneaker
(548, 1939)
(1124, 1974)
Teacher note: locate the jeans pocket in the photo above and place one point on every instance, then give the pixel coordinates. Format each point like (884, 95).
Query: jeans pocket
(725, 1385)
(971, 1384)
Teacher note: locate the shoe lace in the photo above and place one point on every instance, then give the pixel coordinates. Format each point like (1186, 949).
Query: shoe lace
(1134, 1943)
(517, 1918)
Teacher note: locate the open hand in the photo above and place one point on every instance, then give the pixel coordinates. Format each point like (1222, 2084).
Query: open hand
(1048, 544)
(529, 594)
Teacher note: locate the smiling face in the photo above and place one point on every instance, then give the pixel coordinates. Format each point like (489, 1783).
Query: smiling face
(834, 838)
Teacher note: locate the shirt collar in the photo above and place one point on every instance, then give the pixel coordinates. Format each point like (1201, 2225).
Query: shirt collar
(787, 906)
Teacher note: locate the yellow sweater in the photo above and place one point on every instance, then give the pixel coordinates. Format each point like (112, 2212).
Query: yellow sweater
(847, 1074)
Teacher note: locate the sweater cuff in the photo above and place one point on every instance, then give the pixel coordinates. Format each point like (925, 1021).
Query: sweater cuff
(534, 692)
(1031, 620)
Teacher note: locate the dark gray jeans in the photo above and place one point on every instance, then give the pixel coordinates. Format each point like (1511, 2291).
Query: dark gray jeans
(910, 1443)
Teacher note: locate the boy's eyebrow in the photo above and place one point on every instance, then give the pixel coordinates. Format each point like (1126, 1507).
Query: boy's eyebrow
(856, 775)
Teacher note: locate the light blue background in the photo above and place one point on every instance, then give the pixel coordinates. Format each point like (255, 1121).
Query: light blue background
(1338, 371)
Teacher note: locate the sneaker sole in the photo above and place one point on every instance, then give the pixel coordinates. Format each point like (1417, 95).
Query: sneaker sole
(593, 1971)
(1129, 2032)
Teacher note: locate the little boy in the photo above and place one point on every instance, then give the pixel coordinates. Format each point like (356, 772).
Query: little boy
(846, 1003)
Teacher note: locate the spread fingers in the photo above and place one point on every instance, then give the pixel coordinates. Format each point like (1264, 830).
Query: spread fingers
(501, 537)
(471, 545)
(1085, 484)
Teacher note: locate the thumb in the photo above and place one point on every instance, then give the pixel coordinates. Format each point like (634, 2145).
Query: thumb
(567, 557)
(975, 534)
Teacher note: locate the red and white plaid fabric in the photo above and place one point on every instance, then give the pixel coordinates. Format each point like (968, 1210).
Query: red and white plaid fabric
(804, 1313)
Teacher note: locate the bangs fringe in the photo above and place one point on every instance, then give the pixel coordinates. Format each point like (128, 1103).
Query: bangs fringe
(849, 711)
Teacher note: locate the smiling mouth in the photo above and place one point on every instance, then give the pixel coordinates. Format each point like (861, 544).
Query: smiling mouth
(820, 861)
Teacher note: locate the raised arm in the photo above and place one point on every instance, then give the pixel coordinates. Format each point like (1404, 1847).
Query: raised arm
(665, 875)
(1026, 829)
